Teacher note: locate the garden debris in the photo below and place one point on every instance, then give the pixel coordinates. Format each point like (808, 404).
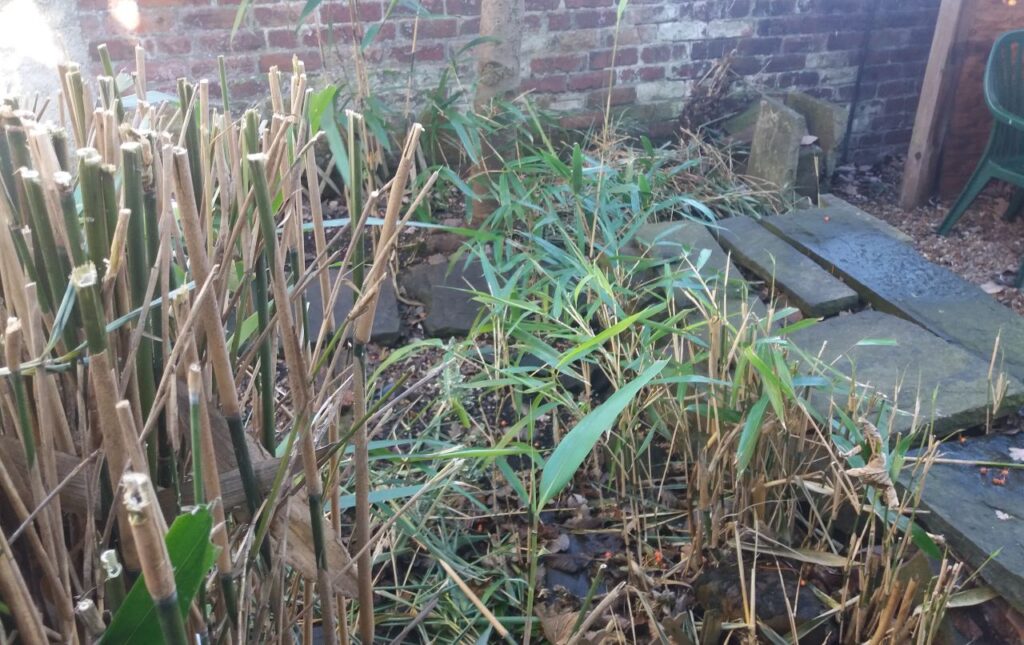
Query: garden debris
(780, 595)
(876, 472)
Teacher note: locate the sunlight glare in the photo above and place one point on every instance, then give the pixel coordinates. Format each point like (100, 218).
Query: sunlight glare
(126, 12)
(25, 34)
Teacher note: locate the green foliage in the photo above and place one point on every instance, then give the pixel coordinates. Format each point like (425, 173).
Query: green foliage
(575, 446)
(192, 555)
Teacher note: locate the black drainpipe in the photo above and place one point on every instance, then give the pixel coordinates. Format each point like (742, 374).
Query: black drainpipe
(855, 100)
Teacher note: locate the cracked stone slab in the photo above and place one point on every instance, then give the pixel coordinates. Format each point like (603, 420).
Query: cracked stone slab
(890, 274)
(981, 515)
(810, 288)
(953, 385)
(387, 323)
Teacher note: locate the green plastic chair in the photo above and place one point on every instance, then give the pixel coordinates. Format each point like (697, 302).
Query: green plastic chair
(1004, 155)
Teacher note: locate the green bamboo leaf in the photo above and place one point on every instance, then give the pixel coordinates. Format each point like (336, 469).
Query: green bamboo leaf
(577, 168)
(575, 446)
(319, 103)
(192, 555)
(598, 340)
(311, 6)
(751, 434)
(876, 342)
(621, 9)
(243, 8)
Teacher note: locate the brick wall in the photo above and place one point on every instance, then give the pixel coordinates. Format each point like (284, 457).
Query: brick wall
(664, 46)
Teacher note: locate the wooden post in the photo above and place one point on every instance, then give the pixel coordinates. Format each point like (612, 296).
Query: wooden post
(939, 80)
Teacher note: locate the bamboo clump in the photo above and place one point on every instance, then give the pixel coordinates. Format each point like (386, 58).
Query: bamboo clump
(134, 245)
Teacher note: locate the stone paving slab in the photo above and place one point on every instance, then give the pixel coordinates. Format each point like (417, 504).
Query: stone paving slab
(809, 287)
(683, 243)
(891, 275)
(387, 324)
(978, 518)
(953, 384)
(446, 294)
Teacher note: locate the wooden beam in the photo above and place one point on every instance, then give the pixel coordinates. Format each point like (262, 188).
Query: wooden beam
(939, 80)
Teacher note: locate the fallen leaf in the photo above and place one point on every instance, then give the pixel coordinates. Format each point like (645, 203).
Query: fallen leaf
(1003, 516)
(559, 544)
(1017, 454)
(992, 288)
(557, 627)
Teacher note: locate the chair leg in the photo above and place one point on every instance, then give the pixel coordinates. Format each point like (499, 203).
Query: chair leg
(1016, 205)
(978, 181)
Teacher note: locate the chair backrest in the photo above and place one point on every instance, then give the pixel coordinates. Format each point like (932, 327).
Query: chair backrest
(1004, 82)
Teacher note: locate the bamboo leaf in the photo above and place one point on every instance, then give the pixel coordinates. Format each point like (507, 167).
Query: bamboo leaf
(192, 554)
(575, 446)
(751, 433)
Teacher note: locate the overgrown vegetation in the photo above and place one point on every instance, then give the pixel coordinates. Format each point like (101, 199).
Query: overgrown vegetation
(635, 421)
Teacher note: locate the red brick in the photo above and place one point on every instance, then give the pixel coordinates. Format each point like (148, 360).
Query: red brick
(623, 58)
(234, 64)
(542, 5)
(282, 38)
(462, 7)
(559, 22)
(423, 53)
(431, 28)
(759, 46)
(641, 74)
(210, 18)
(588, 81)
(120, 49)
(170, 3)
(589, 18)
(581, 121)
(656, 54)
(556, 64)
(342, 12)
(579, 4)
(166, 70)
(283, 60)
(546, 84)
(619, 96)
(175, 45)
(249, 89)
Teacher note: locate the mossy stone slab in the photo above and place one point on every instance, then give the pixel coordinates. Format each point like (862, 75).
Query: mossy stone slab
(952, 384)
(387, 323)
(810, 288)
(983, 522)
(891, 275)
